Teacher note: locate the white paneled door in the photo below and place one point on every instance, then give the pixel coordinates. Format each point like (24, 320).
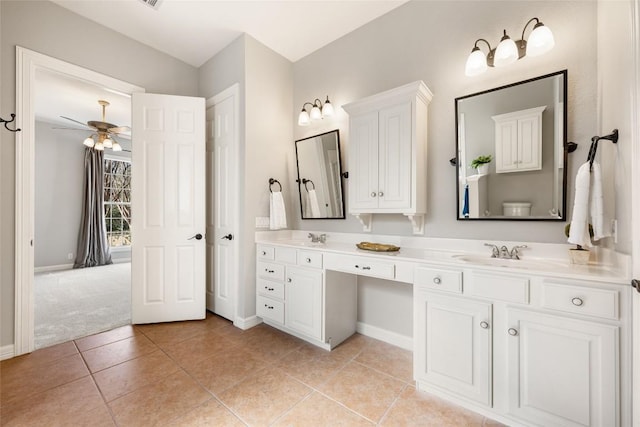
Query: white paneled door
(168, 205)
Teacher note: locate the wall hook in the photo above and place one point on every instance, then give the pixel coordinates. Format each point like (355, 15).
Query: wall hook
(6, 123)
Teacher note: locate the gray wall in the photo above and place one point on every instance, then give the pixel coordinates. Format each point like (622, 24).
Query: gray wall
(52, 30)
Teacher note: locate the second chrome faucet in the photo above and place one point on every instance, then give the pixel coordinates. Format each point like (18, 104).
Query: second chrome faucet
(504, 253)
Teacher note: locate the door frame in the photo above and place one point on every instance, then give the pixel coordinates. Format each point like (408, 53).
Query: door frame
(27, 63)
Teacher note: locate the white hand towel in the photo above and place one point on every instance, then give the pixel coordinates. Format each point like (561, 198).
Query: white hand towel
(579, 232)
(596, 205)
(277, 214)
(314, 207)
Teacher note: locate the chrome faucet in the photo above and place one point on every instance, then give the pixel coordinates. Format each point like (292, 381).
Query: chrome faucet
(504, 253)
(495, 252)
(318, 238)
(515, 251)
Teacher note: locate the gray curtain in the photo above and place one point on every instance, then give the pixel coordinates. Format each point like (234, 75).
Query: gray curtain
(93, 248)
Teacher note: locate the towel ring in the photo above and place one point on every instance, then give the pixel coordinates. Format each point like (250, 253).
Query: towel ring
(273, 181)
(306, 181)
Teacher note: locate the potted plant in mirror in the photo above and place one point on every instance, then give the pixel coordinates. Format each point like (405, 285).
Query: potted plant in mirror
(579, 255)
(481, 164)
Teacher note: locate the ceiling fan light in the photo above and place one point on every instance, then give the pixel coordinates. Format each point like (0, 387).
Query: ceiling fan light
(107, 142)
(116, 146)
(99, 146)
(506, 52)
(89, 142)
(540, 40)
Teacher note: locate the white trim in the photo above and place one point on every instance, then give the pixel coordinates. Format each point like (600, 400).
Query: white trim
(389, 337)
(47, 268)
(247, 322)
(27, 63)
(7, 352)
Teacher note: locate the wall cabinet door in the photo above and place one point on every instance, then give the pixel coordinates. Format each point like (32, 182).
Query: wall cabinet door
(394, 158)
(363, 158)
(518, 139)
(452, 344)
(562, 372)
(303, 296)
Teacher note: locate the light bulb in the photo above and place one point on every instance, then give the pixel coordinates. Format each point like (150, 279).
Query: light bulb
(107, 142)
(315, 113)
(99, 146)
(540, 41)
(327, 108)
(476, 63)
(116, 146)
(303, 118)
(506, 52)
(89, 142)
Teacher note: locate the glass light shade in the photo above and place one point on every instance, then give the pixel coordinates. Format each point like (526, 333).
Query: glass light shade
(116, 146)
(506, 53)
(327, 109)
(303, 118)
(89, 142)
(476, 63)
(315, 113)
(540, 41)
(99, 146)
(107, 142)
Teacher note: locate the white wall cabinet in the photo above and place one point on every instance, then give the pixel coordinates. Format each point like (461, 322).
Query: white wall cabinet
(518, 139)
(387, 154)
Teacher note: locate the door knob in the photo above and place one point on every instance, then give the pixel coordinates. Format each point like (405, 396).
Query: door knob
(196, 236)
(228, 236)
(513, 332)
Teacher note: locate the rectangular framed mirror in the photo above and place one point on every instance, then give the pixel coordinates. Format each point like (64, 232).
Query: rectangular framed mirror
(512, 151)
(320, 176)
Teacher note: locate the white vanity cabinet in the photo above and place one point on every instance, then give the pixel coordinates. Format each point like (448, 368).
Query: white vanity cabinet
(527, 350)
(303, 296)
(387, 154)
(518, 139)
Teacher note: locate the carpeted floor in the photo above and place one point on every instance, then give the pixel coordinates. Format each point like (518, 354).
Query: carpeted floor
(75, 303)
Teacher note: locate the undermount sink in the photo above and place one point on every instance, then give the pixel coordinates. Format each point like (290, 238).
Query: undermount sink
(305, 243)
(510, 263)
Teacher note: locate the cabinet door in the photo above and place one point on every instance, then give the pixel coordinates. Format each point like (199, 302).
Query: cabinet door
(363, 160)
(530, 143)
(452, 344)
(303, 301)
(395, 153)
(562, 372)
(506, 146)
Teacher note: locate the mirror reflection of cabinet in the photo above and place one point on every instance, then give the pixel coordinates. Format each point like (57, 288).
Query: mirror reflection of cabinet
(319, 176)
(519, 140)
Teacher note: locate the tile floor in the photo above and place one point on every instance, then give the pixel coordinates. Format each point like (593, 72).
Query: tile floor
(210, 373)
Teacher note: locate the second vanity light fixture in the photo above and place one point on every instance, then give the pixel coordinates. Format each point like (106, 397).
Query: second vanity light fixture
(318, 111)
(540, 41)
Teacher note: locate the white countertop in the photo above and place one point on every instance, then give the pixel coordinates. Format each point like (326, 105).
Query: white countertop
(461, 253)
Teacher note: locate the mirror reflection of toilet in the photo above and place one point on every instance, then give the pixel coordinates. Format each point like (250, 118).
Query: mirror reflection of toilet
(516, 209)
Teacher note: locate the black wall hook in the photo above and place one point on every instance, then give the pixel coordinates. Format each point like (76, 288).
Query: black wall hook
(6, 123)
(593, 149)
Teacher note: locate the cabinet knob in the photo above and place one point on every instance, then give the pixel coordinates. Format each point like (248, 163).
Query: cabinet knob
(289, 280)
(437, 280)
(264, 253)
(577, 301)
(484, 325)
(513, 332)
(308, 260)
(373, 194)
(380, 194)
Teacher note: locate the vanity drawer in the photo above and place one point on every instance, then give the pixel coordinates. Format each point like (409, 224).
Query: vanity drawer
(360, 265)
(581, 300)
(270, 289)
(310, 258)
(268, 308)
(497, 286)
(269, 270)
(265, 252)
(287, 255)
(442, 280)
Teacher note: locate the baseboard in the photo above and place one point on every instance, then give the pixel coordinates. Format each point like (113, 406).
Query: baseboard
(246, 323)
(120, 260)
(389, 337)
(47, 268)
(7, 352)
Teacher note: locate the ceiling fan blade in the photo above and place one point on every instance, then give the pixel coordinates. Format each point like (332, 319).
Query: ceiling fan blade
(120, 129)
(83, 130)
(80, 123)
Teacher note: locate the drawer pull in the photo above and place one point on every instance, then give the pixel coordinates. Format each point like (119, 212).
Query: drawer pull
(437, 280)
(269, 271)
(577, 301)
(513, 332)
(264, 253)
(289, 280)
(364, 267)
(268, 288)
(308, 260)
(270, 307)
(484, 325)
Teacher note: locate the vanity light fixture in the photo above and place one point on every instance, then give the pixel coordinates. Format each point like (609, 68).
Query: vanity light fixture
(318, 111)
(509, 51)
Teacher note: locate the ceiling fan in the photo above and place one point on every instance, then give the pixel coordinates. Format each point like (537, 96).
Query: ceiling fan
(105, 132)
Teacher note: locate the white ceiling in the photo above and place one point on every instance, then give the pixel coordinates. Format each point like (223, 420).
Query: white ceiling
(195, 30)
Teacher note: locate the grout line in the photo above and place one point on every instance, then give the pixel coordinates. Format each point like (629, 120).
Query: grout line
(384, 415)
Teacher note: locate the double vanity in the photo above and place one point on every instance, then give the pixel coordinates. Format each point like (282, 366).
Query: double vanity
(528, 342)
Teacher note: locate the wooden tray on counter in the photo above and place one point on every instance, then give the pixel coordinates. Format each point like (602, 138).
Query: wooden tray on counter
(377, 247)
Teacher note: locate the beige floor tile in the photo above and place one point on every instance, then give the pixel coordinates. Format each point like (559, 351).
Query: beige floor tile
(60, 406)
(271, 344)
(18, 384)
(352, 346)
(423, 409)
(389, 359)
(93, 341)
(134, 374)
(108, 355)
(364, 390)
(189, 352)
(319, 411)
(312, 366)
(263, 397)
(225, 369)
(211, 413)
(488, 422)
(166, 399)
(39, 357)
(166, 334)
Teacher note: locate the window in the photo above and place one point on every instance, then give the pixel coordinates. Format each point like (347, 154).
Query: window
(117, 202)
